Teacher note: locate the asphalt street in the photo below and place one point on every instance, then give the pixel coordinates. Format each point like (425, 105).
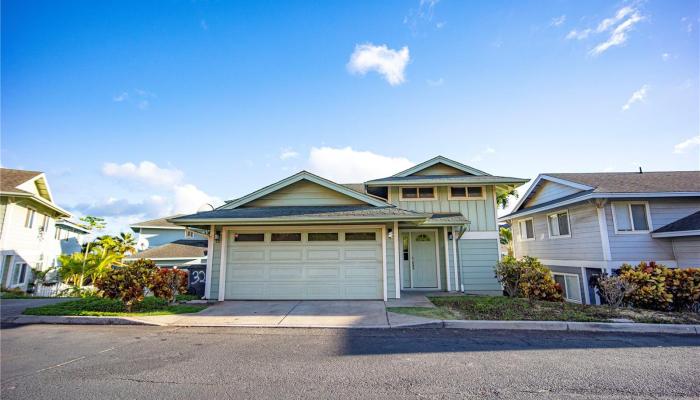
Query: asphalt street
(137, 362)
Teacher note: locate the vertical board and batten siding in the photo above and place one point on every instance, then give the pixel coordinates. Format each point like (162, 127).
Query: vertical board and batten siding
(303, 193)
(640, 247)
(390, 274)
(477, 258)
(687, 251)
(215, 266)
(549, 191)
(480, 213)
(584, 243)
(439, 169)
(442, 264)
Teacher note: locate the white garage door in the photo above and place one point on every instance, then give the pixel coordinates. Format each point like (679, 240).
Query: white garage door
(294, 264)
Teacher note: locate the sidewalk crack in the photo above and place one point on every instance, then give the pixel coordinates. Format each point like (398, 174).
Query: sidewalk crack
(289, 312)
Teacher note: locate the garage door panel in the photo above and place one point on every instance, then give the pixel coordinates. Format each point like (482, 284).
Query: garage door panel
(286, 255)
(322, 254)
(304, 270)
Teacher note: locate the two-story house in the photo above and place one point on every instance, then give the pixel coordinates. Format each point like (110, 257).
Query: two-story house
(34, 231)
(431, 227)
(167, 244)
(582, 224)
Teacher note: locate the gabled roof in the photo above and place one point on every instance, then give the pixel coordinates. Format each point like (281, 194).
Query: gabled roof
(447, 179)
(601, 185)
(308, 176)
(160, 223)
(15, 182)
(687, 226)
(179, 249)
(72, 226)
(301, 214)
(437, 160)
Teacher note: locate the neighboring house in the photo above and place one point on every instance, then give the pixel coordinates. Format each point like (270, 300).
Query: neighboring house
(431, 227)
(582, 224)
(167, 244)
(33, 229)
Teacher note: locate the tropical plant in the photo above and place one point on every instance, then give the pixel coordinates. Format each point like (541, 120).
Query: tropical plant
(127, 283)
(661, 288)
(505, 237)
(126, 243)
(527, 278)
(167, 283)
(509, 274)
(614, 289)
(90, 223)
(503, 198)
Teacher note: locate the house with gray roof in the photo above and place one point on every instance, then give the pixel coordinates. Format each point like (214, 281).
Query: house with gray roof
(168, 244)
(582, 224)
(431, 227)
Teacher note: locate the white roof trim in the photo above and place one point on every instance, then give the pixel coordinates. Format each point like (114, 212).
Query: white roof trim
(443, 160)
(694, 232)
(303, 175)
(590, 196)
(541, 177)
(157, 227)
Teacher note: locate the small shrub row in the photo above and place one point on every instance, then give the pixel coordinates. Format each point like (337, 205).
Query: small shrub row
(657, 287)
(527, 278)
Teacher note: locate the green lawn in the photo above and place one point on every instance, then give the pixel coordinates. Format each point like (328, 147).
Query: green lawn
(510, 309)
(94, 306)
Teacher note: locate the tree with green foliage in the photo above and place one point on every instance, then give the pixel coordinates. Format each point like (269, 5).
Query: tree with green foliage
(505, 237)
(91, 223)
(127, 283)
(503, 198)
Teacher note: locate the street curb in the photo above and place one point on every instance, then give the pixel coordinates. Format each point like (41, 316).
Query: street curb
(560, 326)
(73, 320)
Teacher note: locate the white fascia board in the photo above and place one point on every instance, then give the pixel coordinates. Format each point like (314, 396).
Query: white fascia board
(224, 221)
(157, 227)
(444, 160)
(695, 232)
(303, 175)
(536, 182)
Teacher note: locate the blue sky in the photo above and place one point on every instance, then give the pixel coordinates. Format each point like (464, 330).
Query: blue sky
(140, 109)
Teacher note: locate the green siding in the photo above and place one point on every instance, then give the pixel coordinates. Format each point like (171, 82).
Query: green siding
(390, 281)
(477, 258)
(216, 263)
(481, 213)
(304, 193)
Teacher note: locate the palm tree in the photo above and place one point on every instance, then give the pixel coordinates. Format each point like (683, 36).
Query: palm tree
(502, 199)
(505, 236)
(127, 243)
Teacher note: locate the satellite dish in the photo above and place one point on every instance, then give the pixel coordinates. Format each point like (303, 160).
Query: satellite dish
(142, 244)
(205, 207)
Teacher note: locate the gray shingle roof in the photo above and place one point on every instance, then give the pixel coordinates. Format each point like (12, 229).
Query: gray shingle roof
(464, 179)
(183, 248)
(634, 182)
(443, 219)
(302, 212)
(11, 178)
(158, 222)
(689, 223)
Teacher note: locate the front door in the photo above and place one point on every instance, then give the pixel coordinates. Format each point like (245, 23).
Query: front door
(423, 260)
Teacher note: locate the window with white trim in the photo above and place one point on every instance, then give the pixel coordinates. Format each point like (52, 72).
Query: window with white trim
(559, 224)
(527, 229)
(45, 223)
(29, 219)
(466, 192)
(19, 274)
(570, 286)
(413, 193)
(631, 217)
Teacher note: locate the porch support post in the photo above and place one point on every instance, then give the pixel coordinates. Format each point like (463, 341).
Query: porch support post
(222, 266)
(397, 254)
(447, 259)
(210, 260)
(458, 287)
(586, 295)
(384, 283)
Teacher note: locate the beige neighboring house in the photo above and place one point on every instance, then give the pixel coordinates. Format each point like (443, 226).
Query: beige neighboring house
(34, 230)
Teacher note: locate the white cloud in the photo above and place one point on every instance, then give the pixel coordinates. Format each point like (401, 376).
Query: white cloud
(203, 24)
(558, 21)
(618, 27)
(423, 15)
(347, 165)
(138, 97)
(121, 97)
(188, 198)
(288, 154)
(389, 63)
(480, 156)
(688, 144)
(145, 172)
(665, 56)
(440, 24)
(637, 96)
(152, 206)
(437, 82)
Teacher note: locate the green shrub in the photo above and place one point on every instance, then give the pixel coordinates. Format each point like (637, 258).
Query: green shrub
(127, 283)
(527, 278)
(661, 288)
(167, 283)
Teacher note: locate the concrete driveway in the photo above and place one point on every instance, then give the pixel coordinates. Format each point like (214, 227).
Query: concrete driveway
(308, 314)
(13, 307)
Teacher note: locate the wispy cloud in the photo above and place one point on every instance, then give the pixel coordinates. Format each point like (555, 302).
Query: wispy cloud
(391, 64)
(423, 15)
(687, 24)
(665, 56)
(121, 97)
(617, 27)
(348, 165)
(145, 172)
(637, 96)
(435, 82)
(686, 145)
(139, 97)
(203, 24)
(287, 154)
(480, 156)
(558, 21)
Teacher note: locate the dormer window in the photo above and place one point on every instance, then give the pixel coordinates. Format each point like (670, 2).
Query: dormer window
(417, 193)
(466, 192)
